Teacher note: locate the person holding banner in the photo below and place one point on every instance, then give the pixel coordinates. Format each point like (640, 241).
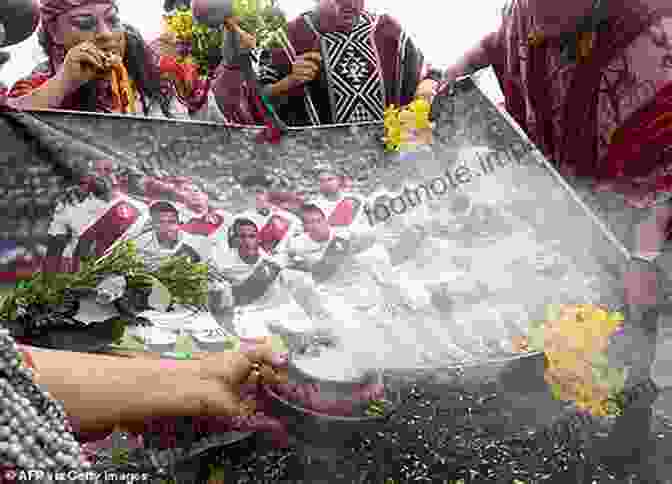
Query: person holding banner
(66, 396)
(590, 82)
(98, 64)
(340, 64)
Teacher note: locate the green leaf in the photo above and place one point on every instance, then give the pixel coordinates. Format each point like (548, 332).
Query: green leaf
(600, 360)
(615, 378)
(118, 330)
(184, 344)
(217, 472)
(120, 456)
(553, 312)
(616, 316)
(535, 339)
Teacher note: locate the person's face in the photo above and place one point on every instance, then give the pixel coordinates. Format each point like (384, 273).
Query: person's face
(555, 18)
(249, 243)
(339, 15)
(315, 225)
(167, 226)
(197, 200)
(98, 23)
(330, 183)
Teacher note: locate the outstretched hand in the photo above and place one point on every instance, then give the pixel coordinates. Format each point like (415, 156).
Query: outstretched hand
(226, 376)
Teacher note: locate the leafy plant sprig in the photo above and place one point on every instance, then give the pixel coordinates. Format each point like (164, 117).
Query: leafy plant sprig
(186, 282)
(261, 18)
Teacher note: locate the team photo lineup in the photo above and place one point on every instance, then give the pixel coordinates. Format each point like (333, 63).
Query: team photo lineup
(313, 267)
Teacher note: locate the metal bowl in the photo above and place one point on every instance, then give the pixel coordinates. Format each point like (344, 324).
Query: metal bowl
(330, 431)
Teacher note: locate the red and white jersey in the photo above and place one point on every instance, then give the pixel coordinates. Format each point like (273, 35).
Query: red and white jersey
(100, 222)
(186, 245)
(261, 293)
(275, 227)
(207, 225)
(342, 211)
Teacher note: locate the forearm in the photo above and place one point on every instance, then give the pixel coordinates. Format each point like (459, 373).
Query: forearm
(48, 96)
(478, 57)
(100, 392)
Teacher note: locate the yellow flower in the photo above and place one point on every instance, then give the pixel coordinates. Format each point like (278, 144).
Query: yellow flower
(421, 108)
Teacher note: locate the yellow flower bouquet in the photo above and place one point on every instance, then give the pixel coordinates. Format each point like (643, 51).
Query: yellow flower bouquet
(195, 43)
(574, 339)
(408, 127)
(198, 44)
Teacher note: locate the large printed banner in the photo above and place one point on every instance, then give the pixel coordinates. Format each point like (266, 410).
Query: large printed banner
(435, 256)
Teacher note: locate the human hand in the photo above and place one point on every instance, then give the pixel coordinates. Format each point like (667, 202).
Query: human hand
(229, 379)
(427, 90)
(306, 68)
(85, 62)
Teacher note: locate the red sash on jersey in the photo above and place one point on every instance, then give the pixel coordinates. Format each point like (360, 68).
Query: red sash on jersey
(273, 232)
(109, 228)
(205, 225)
(345, 212)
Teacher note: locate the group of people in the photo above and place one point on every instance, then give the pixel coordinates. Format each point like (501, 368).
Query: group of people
(588, 80)
(278, 261)
(97, 63)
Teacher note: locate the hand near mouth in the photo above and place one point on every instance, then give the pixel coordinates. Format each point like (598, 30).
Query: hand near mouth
(85, 62)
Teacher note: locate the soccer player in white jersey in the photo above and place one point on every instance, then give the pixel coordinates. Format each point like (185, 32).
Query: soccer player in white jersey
(260, 289)
(167, 240)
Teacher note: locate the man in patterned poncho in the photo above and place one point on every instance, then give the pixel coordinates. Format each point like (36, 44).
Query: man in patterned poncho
(340, 64)
(352, 63)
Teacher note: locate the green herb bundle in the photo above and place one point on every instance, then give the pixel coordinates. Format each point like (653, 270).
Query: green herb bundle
(186, 282)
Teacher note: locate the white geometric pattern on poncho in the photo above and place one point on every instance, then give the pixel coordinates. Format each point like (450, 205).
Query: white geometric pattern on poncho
(355, 76)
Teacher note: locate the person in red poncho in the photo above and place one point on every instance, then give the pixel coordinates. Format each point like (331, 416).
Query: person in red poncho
(96, 63)
(342, 64)
(590, 82)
